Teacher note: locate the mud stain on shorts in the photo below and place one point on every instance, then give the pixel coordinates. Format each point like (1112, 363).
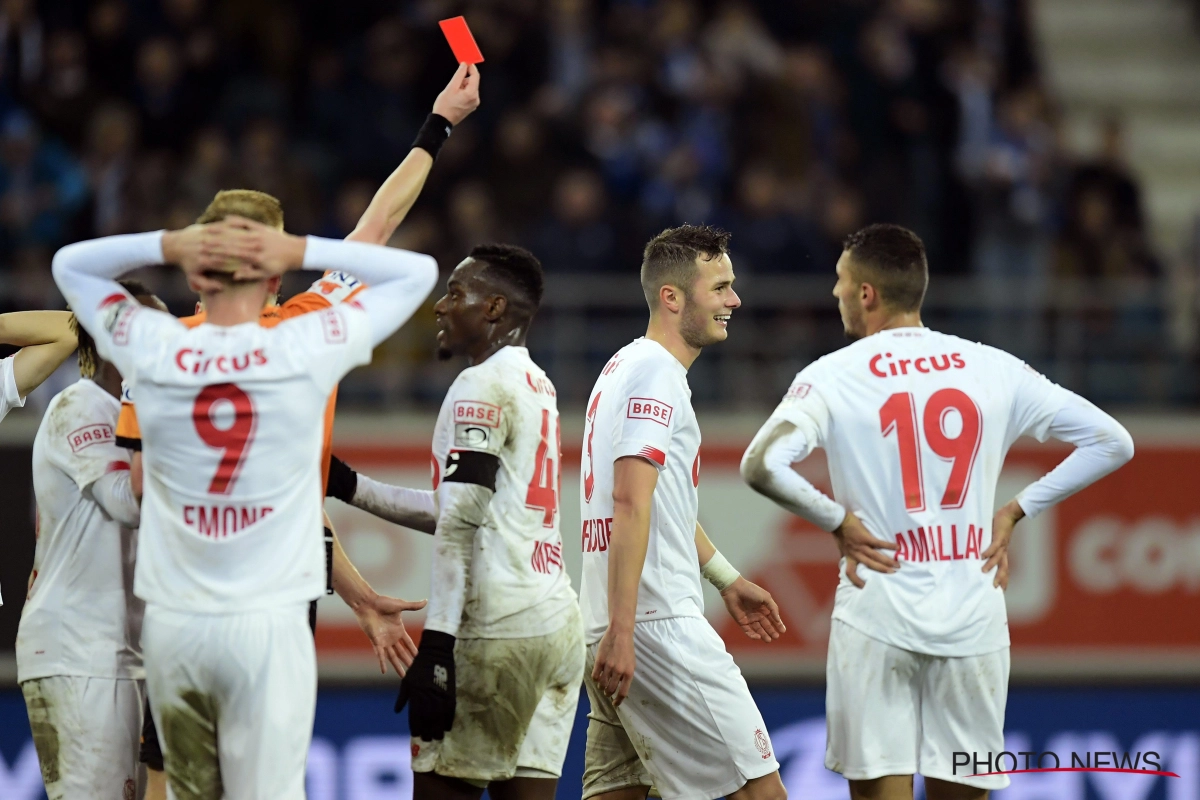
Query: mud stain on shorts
(189, 733)
(45, 732)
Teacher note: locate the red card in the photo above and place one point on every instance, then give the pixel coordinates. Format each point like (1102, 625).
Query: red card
(461, 41)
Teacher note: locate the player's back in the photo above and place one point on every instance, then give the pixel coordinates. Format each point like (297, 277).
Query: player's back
(231, 420)
(507, 407)
(80, 616)
(916, 427)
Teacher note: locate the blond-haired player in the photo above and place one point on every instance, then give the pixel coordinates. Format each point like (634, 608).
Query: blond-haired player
(79, 654)
(916, 425)
(669, 706)
(229, 550)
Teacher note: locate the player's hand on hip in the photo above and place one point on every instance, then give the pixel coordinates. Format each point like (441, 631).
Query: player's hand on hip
(753, 608)
(256, 251)
(383, 624)
(996, 555)
(429, 688)
(858, 546)
(461, 95)
(613, 673)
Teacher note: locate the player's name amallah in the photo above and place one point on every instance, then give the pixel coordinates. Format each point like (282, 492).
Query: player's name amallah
(223, 521)
(940, 543)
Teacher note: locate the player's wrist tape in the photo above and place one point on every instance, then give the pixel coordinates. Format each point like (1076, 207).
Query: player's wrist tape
(433, 134)
(719, 572)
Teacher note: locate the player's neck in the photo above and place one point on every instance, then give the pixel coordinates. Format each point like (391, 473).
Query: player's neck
(909, 319)
(513, 337)
(671, 339)
(233, 307)
(108, 379)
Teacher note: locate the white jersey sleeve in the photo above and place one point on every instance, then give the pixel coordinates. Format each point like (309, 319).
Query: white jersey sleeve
(89, 451)
(335, 340)
(9, 395)
(804, 406)
(652, 407)
(1036, 400)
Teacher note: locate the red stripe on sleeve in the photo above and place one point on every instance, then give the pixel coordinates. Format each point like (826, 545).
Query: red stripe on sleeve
(654, 454)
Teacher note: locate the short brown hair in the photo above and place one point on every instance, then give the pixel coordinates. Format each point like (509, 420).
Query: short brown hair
(248, 203)
(670, 257)
(892, 259)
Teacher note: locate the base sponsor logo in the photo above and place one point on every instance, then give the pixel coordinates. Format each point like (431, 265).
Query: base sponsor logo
(88, 435)
(651, 409)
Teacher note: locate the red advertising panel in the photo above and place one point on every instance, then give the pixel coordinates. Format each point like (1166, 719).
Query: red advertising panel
(1107, 583)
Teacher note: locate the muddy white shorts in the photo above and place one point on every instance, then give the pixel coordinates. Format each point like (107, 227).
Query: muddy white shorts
(233, 696)
(86, 732)
(689, 726)
(516, 701)
(891, 711)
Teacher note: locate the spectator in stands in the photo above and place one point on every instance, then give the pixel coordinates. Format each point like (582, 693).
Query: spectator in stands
(1109, 175)
(64, 96)
(167, 108)
(767, 238)
(579, 236)
(41, 185)
(112, 143)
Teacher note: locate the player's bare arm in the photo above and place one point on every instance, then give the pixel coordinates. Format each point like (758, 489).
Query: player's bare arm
(634, 480)
(767, 468)
(46, 341)
(397, 194)
(412, 508)
(750, 605)
(379, 616)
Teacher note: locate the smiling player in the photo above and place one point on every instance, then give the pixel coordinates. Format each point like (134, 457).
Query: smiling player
(669, 706)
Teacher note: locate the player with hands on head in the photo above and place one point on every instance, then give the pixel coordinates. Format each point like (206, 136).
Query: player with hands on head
(657, 670)
(916, 425)
(502, 620)
(229, 549)
(46, 339)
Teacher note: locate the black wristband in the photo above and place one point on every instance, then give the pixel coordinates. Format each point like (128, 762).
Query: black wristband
(433, 134)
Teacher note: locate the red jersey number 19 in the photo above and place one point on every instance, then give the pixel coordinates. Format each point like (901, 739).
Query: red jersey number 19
(234, 441)
(899, 416)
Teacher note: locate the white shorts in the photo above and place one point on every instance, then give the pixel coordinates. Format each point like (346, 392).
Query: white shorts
(233, 696)
(891, 711)
(86, 731)
(689, 726)
(516, 701)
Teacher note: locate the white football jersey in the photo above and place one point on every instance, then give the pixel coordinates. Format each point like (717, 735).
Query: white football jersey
(9, 396)
(641, 405)
(916, 425)
(81, 617)
(231, 422)
(507, 406)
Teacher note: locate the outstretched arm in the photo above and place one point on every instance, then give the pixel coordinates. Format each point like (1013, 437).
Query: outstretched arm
(412, 508)
(46, 341)
(399, 192)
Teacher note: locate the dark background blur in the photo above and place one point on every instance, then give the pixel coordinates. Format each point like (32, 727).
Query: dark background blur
(791, 124)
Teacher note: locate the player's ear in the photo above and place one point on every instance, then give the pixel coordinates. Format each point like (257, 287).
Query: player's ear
(869, 296)
(670, 298)
(495, 307)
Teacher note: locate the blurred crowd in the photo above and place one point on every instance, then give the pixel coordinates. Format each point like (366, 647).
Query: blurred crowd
(790, 123)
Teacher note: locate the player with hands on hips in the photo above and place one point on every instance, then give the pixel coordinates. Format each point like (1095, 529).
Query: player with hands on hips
(916, 425)
(658, 673)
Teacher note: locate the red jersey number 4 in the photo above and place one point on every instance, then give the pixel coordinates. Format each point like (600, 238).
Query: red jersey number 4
(544, 487)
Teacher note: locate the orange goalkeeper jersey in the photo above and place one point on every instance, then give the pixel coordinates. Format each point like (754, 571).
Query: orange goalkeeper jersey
(329, 290)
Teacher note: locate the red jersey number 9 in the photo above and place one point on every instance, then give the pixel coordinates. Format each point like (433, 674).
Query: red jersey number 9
(234, 441)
